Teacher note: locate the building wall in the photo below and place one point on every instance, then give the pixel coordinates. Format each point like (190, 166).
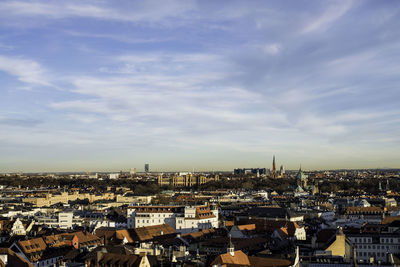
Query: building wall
(368, 247)
(183, 222)
(65, 220)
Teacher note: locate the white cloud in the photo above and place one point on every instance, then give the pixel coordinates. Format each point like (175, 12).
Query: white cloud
(320, 126)
(116, 37)
(272, 49)
(330, 15)
(26, 70)
(138, 11)
(6, 47)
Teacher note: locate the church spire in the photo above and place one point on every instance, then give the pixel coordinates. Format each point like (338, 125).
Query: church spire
(273, 167)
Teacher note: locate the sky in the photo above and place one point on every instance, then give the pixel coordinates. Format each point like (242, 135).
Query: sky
(204, 85)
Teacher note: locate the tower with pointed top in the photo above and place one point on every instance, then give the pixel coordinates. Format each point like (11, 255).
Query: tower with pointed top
(273, 175)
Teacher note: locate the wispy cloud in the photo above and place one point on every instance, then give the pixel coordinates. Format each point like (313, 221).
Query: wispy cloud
(272, 49)
(26, 70)
(332, 13)
(6, 47)
(137, 11)
(200, 82)
(116, 37)
(20, 122)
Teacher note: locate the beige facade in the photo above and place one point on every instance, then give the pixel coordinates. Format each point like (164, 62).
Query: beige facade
(50, 199)
(187, 180)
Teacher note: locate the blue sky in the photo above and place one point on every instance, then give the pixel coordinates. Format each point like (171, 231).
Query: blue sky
(110, 85)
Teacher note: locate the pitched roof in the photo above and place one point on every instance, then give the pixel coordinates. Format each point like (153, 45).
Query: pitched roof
(229, 223)
(57, 241)
(84, 237)
(390, 219)
(325, 235)
(248, 227)
(119, 234)
(157, 209)
(199, 233)
(244, 244)
(239, 258)
(123, 233)
(368, 210)
(271, 225)
(283, 232)
(32, 245)
(270, 212)
(6, 225)
(150, 232)
(14, 259)
(204, 212)
(268, 262)
(112, 259)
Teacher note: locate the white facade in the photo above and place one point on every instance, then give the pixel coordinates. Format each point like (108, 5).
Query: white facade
(197, 218)
(182, 219)
(18, 228)
(65, 220)
(300, 233)
(114, 175)
(140, 216)
(376, 248)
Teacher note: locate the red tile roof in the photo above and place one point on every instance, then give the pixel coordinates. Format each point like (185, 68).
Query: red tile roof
(239, 258)
(150, 232)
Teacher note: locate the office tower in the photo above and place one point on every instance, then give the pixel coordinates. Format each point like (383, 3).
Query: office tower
(146, 168)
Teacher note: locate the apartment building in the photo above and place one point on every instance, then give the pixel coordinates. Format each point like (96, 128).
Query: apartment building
(184, 219)
(375, 247)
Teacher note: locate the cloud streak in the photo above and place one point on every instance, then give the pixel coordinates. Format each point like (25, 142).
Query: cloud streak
(26, 70)
(200, 83)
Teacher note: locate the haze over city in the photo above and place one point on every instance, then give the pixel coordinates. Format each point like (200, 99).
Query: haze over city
(111, 85)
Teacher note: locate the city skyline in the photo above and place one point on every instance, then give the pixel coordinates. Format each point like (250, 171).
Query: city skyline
(95, 85)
